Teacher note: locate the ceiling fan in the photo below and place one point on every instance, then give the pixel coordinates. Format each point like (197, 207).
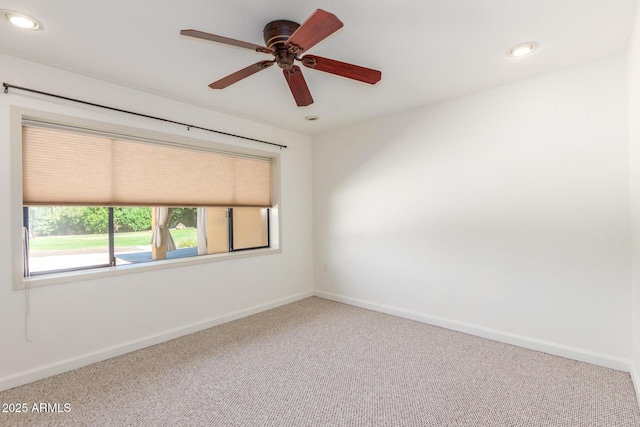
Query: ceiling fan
(286, 40)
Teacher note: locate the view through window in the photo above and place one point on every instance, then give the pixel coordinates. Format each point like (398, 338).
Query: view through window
(66, 238)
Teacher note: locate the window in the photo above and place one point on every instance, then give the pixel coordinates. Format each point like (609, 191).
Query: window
(95, 199)
(63, 238)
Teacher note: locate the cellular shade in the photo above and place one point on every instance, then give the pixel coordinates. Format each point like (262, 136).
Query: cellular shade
(64, 167)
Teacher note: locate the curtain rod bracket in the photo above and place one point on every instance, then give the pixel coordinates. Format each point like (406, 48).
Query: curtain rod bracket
(9, 85)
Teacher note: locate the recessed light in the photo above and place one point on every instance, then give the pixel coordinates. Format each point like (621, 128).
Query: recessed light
(311, 118)
(522, 49)
(21, 20)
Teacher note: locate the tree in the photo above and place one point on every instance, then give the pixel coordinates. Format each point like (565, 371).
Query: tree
(185, 216)
(132, 219)
(94, 220)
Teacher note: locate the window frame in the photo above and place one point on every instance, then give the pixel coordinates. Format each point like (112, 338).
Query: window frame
(18, 114)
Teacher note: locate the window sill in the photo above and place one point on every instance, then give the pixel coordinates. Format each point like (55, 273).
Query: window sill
(106, 272)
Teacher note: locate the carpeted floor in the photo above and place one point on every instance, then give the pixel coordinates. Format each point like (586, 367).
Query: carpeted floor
(320, 363)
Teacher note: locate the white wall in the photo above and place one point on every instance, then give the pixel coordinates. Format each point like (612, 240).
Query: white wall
(74, 324)
(504, 213)
(634, 153)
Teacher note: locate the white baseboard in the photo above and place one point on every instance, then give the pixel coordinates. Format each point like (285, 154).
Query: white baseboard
(56, 368)
(574, 353)
(635, 379)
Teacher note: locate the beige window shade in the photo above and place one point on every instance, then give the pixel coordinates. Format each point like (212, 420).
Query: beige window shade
(61, 167)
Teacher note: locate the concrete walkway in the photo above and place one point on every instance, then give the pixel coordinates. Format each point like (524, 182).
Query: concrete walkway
(41, 264)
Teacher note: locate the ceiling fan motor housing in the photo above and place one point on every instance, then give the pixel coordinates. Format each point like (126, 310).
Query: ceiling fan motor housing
(275, 34)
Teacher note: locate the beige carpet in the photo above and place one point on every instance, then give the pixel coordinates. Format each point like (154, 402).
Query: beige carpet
(321, 363)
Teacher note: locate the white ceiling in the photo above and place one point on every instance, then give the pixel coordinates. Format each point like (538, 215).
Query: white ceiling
(427, 50)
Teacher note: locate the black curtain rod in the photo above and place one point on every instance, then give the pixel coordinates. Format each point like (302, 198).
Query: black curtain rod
(8, 86)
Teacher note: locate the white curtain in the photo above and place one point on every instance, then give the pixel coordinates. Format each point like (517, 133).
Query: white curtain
(202, 230)
(162, 216)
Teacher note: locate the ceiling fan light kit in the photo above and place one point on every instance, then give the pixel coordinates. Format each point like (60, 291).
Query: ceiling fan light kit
(286, 40)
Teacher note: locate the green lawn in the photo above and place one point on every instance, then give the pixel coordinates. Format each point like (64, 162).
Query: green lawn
(85, 241)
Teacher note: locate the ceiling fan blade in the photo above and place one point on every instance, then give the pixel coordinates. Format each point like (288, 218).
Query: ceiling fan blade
(224, 40)
(343, 69)
(241, 74)
(317, 27)
(298, 86)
